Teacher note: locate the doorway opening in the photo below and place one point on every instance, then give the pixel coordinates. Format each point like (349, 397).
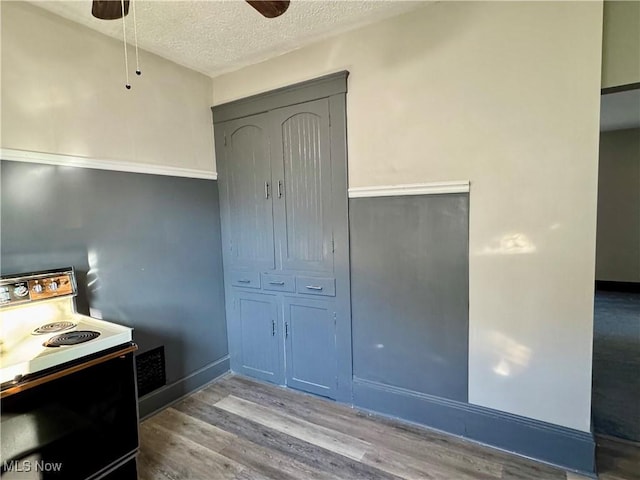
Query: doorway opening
(616, 336)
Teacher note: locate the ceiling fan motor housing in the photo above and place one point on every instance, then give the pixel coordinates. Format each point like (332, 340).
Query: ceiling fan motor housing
(109, 9)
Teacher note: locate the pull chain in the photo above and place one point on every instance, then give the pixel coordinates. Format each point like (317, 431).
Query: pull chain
(135, 36)
(124, 41)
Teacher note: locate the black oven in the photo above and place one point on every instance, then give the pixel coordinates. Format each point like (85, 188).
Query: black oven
(75, 422)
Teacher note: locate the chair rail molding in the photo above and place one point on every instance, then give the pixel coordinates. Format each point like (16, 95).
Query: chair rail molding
(432, 188)
(103, 164)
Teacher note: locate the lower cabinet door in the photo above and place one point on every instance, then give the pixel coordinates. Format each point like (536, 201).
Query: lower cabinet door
(310, 345)
(258, 336)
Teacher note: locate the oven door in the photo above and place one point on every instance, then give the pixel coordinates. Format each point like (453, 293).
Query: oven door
(75, 426)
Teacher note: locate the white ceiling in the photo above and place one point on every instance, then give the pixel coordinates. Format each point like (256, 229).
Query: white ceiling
(620, 110)
(217, 36)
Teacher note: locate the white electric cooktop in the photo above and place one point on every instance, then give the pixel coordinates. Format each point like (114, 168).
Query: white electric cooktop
(40, 328)
(29, 355)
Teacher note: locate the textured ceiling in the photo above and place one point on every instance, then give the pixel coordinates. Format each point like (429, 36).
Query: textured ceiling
(218, 36)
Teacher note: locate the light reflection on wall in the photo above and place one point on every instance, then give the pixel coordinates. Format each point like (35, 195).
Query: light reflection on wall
(93, 282)
(512, 357)
(509, 244)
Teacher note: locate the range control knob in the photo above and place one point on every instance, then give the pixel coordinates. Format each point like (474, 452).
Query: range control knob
(38, 288)
(53, 286)
(20, 291)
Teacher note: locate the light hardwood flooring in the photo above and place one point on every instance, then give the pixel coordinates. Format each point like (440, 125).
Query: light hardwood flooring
(237, 428)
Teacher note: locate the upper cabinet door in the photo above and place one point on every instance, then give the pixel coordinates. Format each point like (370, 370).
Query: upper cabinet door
(302, 186)
(248, 191)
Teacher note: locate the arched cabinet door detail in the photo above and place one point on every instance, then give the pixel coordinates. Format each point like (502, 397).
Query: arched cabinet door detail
(248, 193)
(303, 200)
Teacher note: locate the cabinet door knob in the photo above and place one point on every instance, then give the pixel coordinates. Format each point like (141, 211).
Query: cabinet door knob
(266, 190)
(280, 188)
(273, 328)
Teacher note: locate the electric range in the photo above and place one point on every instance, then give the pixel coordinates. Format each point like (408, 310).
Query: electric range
(41, 329)
(67, 385)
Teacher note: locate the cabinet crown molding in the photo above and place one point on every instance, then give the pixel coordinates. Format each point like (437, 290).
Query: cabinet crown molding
(321, 87)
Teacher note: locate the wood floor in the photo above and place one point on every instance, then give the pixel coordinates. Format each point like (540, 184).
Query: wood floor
(240, 429)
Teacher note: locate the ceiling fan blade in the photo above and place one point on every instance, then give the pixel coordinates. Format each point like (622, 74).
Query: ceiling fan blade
(109, 9)
(270, 8)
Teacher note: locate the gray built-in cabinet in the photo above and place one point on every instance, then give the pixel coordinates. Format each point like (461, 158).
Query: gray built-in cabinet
(281, 159)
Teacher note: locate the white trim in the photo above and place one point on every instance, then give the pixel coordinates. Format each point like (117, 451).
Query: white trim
(103, 164)
(432, 188)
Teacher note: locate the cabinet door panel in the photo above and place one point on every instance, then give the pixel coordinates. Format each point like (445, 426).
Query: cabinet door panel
(310, 346)
(302, 165)
(257, 332)
(248, 190)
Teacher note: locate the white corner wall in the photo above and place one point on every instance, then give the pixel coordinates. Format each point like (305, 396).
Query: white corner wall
(63, 93)
(505, 94)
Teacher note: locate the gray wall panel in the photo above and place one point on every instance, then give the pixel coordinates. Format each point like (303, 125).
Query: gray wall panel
(409, 280)
(146, 248)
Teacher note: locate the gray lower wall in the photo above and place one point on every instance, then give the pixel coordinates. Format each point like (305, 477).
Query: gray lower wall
(410, 292)
(146, 249)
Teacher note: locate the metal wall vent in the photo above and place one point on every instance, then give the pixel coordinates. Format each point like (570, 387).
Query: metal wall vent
(150, 370)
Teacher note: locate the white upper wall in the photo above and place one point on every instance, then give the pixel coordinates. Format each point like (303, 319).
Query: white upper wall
(63, 93)
(506, 95)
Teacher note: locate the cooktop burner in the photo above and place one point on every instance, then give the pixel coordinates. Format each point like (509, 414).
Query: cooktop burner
(71, 338)
(53, 327)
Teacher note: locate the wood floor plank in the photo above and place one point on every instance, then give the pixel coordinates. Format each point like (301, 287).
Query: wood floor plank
(196, 430)
(161, 466)
(347, 421)
(248, 474)
(513, 466)
(213, 393)
(575, 476)
(197, 461)
(397, 465)
(241, 429)
(406, 466)
(150, 468)
(305, 452)
(618, 460)
(322, 437)
(271, 463)
(527, 471)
